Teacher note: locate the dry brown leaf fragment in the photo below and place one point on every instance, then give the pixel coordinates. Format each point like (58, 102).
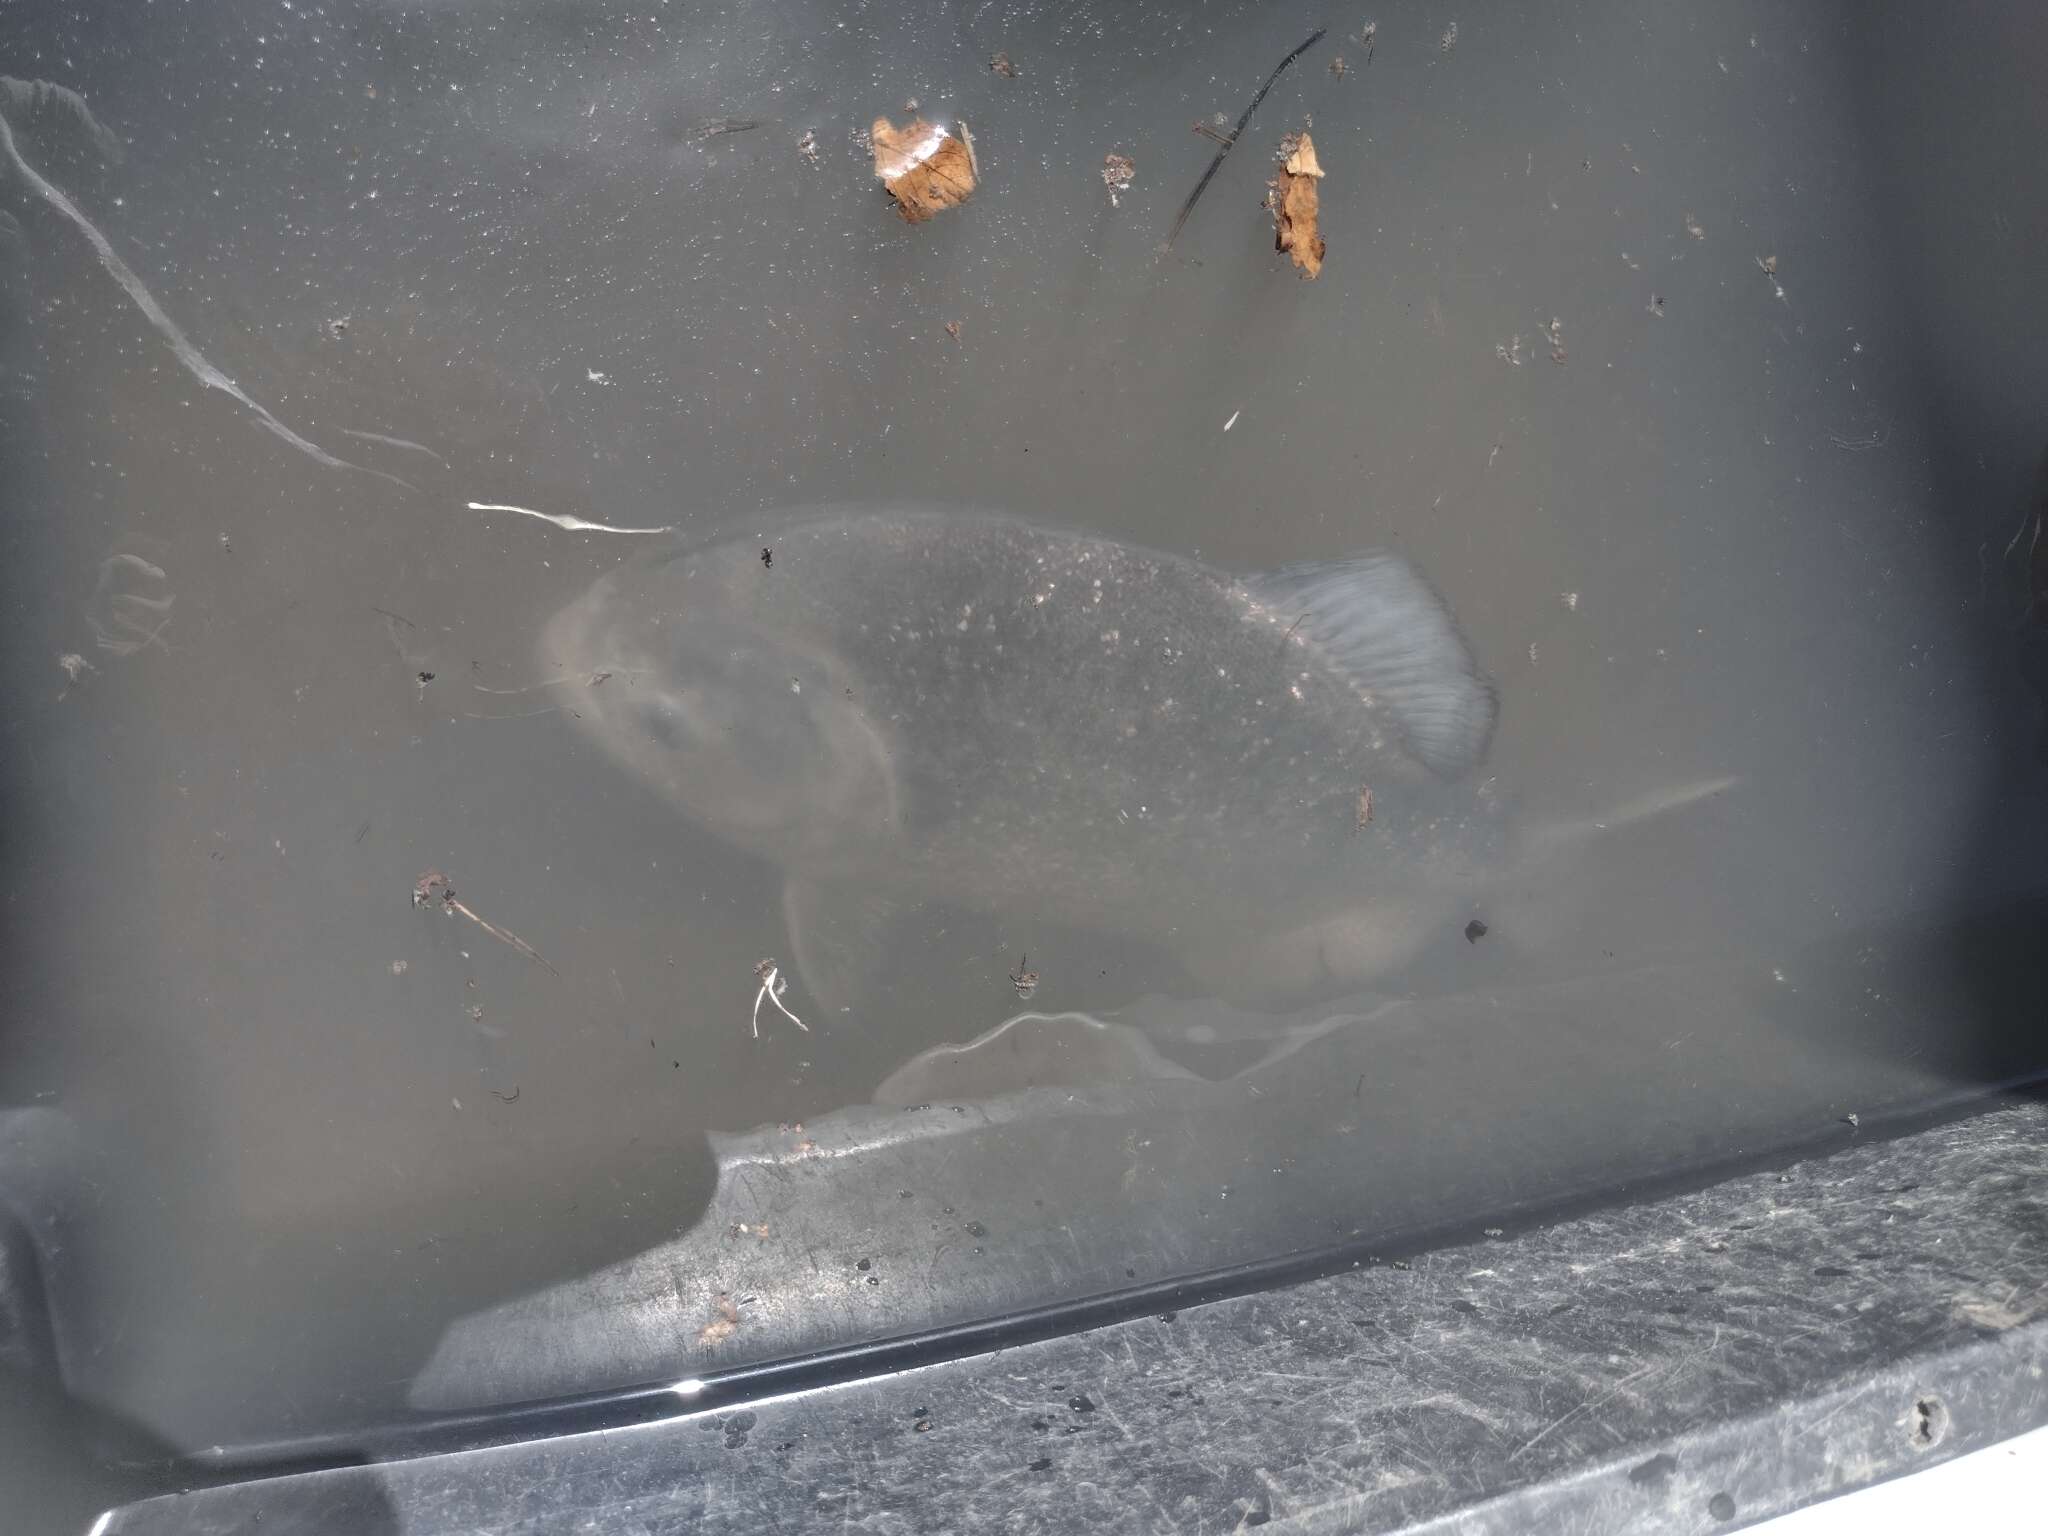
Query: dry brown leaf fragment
(724, 1325)
(953, 329)
(925, 168)
(1118, 172)
(1293, 198)
(1364, 814)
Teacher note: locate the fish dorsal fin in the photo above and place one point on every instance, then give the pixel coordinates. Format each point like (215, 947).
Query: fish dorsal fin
(1380, 625)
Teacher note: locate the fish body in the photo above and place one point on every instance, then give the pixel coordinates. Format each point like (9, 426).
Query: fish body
(915, 705)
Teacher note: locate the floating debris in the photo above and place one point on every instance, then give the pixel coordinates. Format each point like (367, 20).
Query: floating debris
(1475, 931)
(1338, 67)
(722, 1326)
(1768, 265)
(1001, 65)
(1216, 164)
(773, 985)
(1449, 40)
(925, 168)
(807, 145)
(1364, 814)
(1118, 172)
(1554, 334)
(1570, 601)
(1693, 228)
(1295, 204)
(1024, 979)
(1509, 352)
(717, 127)
(1368, 39)
(74, 666)
(953, 329)
(436, 889)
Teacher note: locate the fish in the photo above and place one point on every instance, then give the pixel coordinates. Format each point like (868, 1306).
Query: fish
(930, 705)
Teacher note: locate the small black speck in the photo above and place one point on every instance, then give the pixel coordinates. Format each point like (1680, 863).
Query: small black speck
(1255, 1517)
(1040, 1425)
(1043, 1464)
(1080, 1404)
(785, 1445)
(1704, 1289)
(903, 1194)
(1868, 1257)
(874, 1279)
(768, 557)
(1655, 1470)
(426, 677)
(1475, 931)
(1721, 1506)
(1167, 1317)
(863, 1265)
(1130, 1274)
(1461, 1305)
(1832, 1272)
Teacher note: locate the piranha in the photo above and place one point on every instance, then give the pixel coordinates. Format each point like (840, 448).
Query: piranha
(916, 706)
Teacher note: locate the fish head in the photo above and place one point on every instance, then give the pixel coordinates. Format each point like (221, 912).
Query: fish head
(744, 725)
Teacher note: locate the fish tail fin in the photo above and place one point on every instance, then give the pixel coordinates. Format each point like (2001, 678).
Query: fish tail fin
(1384, 627)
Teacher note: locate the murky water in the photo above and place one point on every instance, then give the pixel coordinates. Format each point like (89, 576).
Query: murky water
(1629, 337)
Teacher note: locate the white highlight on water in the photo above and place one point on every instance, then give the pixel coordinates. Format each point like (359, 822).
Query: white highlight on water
(393, 442)
(571, 524)
(195, 362)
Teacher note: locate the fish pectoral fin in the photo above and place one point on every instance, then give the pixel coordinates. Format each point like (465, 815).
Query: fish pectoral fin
(1385, 629)
(837, 930)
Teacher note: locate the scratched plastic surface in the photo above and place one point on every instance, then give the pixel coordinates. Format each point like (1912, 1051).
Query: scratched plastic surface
(1691, 357)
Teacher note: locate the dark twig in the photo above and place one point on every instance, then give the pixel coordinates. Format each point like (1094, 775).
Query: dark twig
(1237, 133)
